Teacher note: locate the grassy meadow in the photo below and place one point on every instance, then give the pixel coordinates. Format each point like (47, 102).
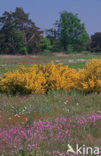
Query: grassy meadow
(43, 125)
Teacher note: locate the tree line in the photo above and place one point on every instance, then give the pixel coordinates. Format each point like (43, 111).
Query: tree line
(20, 35)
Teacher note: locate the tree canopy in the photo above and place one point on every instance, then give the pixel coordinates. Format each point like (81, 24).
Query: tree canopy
(69, 31)
(95, 44)
(20, 35)
(15, 25)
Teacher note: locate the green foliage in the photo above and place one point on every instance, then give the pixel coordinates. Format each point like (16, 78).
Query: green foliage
(14, 25)
(71, 31)
(52, 35)
(45, 44)
(95, 45)
(6, 37)
(23, 51)
(57, 46)
(47, 53)
(70, 48)
(20, 35)
(20, 46)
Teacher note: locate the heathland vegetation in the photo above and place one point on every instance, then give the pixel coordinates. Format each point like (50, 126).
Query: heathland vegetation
(37, 124)
(45, 78)
(48, 102)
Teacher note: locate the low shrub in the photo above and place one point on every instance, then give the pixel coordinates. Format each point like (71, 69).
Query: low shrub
(89, 78)
(43, 78)
(38, 79)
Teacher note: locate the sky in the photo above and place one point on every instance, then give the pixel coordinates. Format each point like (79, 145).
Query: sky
(45, 12)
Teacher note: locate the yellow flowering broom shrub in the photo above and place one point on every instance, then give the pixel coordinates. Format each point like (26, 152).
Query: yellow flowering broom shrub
(89, 78)
(23, 80)
(58, 77)
(38, 79)
(42, 78)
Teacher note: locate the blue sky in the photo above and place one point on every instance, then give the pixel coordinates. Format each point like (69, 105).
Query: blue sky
(45, 12)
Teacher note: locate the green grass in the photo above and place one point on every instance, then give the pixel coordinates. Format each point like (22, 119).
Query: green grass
(50, 105)
(71, 60)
